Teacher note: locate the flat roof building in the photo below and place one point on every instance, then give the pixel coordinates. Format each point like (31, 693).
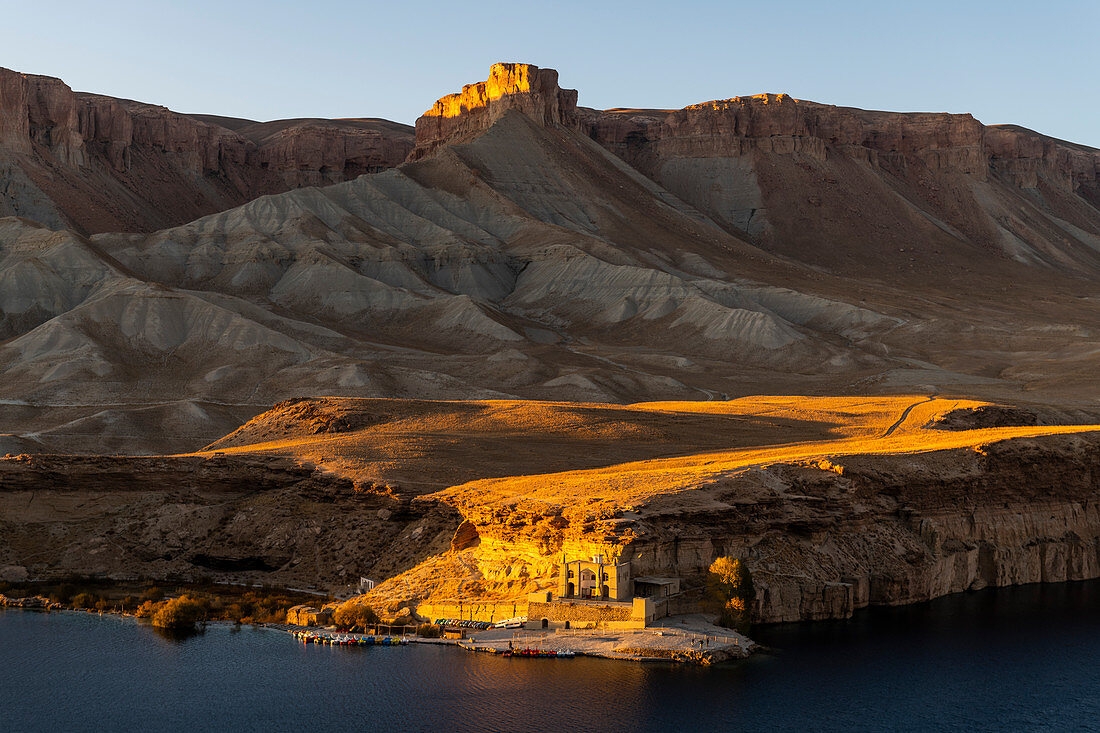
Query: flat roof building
(654, 587)
(594, 580)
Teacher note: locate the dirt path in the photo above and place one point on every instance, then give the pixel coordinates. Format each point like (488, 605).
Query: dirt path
(890, 430)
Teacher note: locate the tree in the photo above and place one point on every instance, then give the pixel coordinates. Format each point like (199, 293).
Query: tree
(730, 592)
(178, 613)
(85, 600)
(351, 614)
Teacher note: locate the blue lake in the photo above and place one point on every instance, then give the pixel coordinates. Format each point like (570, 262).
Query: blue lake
(1011, 659)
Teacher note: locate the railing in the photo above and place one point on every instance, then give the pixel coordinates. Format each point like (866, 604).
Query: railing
(592, 601)
(659, 630)
(666, 630)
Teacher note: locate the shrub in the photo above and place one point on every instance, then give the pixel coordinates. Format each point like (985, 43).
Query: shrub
(238, 611)
(178, 613)
(85, 600)
(351, 614)
(152, 594)
(429, 631)
(147, 609)
(730, 592)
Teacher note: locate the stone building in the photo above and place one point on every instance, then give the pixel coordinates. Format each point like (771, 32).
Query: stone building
(595, 579)
(594, 594)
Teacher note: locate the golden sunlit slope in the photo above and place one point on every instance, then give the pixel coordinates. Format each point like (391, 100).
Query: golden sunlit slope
(887, 426)
(426, 445)
(791, 505)
(502, 450)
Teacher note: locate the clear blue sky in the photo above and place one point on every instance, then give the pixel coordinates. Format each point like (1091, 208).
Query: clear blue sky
(1029, 63)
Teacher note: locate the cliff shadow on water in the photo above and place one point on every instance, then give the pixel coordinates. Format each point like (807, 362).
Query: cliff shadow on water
(970, 619)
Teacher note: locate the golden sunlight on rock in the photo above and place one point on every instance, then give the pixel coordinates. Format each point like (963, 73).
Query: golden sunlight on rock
(625, 481)
(521, 87)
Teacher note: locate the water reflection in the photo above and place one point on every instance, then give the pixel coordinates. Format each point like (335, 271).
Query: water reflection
(178, 634)
(1019, 658)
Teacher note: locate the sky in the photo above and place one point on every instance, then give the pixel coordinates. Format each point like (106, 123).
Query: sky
(1027, 63)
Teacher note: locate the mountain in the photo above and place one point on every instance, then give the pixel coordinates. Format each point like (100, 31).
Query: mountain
(910, 196)
(95, 164)
(531, 248)
(855, 349)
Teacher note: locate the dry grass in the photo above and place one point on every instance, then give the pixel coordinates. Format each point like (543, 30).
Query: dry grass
(857, 426)
(478, 452)
(424, 446)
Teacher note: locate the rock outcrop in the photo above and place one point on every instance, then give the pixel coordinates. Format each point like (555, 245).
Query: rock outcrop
(307, 616)
(778, 123)
(222, 518)
(820, 543)
(521, 87)
(96, 163)
(774, 168)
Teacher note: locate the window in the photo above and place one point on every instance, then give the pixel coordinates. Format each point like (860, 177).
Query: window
(570, 574)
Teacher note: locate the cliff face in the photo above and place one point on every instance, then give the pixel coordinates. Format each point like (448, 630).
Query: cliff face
(820, 542)
(225, 519)
(849, 189)
(521, 87)
(778, 123)
(323, 152)
(891, 531)
(97, 163)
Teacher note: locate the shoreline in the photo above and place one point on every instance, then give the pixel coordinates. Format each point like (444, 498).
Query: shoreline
(631, 646)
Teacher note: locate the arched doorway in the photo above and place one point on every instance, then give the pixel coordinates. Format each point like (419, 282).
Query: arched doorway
(571, 591)
(605, 591)
(589, 584)
(546, 623)
(567, 624)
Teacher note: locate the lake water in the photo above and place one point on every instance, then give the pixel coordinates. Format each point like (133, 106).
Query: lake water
(1012, 659)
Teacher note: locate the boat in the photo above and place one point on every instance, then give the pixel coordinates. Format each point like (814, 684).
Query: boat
(511, 623)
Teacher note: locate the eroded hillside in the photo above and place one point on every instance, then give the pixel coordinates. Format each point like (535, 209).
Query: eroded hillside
(517, 258)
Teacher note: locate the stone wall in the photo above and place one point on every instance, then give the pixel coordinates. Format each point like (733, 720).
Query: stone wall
(578, 613)
(488, 612)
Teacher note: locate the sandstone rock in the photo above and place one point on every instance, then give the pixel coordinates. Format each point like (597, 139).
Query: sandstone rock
(110, 164)
(307, 616)
(465, 537)
(521, 87)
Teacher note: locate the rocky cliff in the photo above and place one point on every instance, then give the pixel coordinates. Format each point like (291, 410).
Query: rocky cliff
(773, 168)
(762, 245)
(96, 163)
(778, 123)
(224, 519)
(820, 542)
(521, 87)
(892, 531)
